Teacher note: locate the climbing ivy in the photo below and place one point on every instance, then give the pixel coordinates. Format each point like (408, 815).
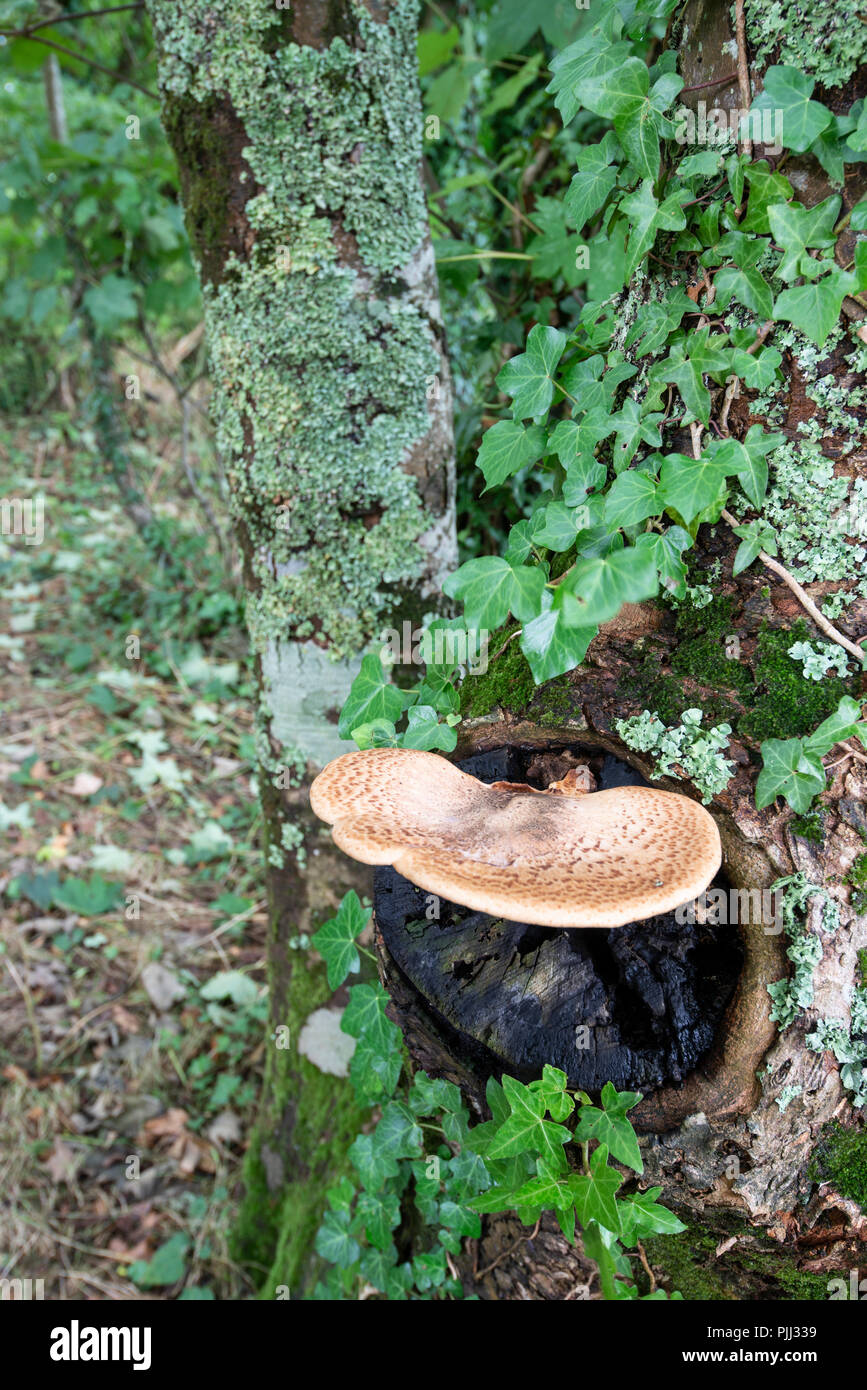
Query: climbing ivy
(424, 1164)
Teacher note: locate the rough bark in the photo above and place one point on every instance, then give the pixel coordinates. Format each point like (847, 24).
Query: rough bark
(298, 137)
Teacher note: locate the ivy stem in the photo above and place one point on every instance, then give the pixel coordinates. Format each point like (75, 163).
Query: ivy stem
(743, 70)
(804, 599)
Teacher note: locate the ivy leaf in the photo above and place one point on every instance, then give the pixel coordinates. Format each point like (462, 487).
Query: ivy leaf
(491, 588)
(553, 250)
(374, 1167)
(755, 536)
(335, 941)
(529, 377)
(758, 369)
(552, 647)
(594, 1193)
(794, 228)
(641, 1216)
(749, 460)
(427, 1095)
(748, 285)
(583, 475)
(647, 217)
(690, 486)
(610, 1126)
(371, 697)
(789, 771)
(377, 1215)
(765, 188)
(654, 323)
(333, 1241)
(525, 1129)
(506, 447)
(88, 897)
(787, 90)
(559, 526)
(815, 307)
(666, 549)
(631, 498)
(845, 722)
(584, 59)
(548, 1189)
(633, 429)
(586, 194)
(424, 731)
(687, 364)
(551, 1086)
(365, 1015)
(597, 588)
(397, 1134)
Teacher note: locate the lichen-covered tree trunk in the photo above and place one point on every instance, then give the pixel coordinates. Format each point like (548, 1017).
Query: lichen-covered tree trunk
(742, 1144)
(297, 131)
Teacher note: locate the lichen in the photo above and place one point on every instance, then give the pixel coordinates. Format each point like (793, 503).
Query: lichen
(688, 751)
(819, 39)
(319, 354)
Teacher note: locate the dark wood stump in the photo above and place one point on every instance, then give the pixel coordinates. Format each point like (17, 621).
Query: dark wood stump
(638, 1005)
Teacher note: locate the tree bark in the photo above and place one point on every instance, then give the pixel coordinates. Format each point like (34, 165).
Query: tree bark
(298, 137)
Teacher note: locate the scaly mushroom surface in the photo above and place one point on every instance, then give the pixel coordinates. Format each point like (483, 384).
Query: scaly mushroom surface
(595, 860)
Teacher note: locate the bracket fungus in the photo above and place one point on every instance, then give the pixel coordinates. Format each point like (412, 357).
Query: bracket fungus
(555, 858)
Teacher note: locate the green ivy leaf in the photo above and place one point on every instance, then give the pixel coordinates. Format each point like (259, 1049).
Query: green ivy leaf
(788, 90)
(551, 646)
(647, 217)
(507, 447)
(371, 697)
(333, 1241)
(525, 1129)
(845, 722)
(815, 308)
(642, 1216)
(631, 498)
(749, 460)
(490, 588)
(374, 1167)
(611, 1127)
(594, 1193)
(424, 731)
(529, 377)
(597, 588)
(687, 364)
(795, 228)
(790, 772)
(365, 1015)
(690, 486)
(335, 940)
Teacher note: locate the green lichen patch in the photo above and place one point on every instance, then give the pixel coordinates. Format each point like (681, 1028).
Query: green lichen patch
(820, 38)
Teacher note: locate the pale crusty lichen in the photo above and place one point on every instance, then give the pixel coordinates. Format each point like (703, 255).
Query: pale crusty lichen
(320, 359)
(823, 39)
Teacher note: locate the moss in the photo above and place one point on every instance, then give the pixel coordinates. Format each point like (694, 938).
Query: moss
(787, 704)
(746, 1271)
(857, 880)
(810, 827)
(840, 1157)
(508, 682)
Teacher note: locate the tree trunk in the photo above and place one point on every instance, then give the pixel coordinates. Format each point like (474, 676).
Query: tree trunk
(298, 137)
(736, 1138)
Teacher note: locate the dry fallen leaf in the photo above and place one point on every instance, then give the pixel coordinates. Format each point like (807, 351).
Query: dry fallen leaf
(62, 1162)
(84, 784)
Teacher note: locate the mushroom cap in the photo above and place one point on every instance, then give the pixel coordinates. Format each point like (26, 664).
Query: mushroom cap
(598, 860)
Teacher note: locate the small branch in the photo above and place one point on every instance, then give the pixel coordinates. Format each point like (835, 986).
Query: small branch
(509, 639)
(511, 1250)
(716, 82)
(804, 599)
(88, 62)
(67, 19)
(743, 70)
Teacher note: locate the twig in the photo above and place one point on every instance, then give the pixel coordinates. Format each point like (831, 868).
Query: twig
(511, 1250)
(743, 71)
(804, 599)
(648, 1271)
(716, 82)
(67, 19)
(92, 63)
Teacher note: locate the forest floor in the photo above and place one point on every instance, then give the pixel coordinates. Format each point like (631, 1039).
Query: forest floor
(132, 924)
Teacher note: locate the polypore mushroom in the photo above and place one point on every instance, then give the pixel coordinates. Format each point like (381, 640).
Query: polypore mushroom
(595, 860)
